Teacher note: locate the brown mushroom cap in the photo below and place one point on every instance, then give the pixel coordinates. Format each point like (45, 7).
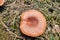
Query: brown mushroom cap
(1, 2)
(33, 23)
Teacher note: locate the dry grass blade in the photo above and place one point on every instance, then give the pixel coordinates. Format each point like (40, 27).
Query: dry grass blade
(10, 32)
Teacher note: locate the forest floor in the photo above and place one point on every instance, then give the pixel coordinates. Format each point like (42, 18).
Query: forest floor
(10, 18)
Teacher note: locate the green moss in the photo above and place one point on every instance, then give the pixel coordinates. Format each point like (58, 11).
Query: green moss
(49, 8)
(51, 37)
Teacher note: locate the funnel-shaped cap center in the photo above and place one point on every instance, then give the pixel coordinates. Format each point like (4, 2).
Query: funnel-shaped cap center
(32, 21)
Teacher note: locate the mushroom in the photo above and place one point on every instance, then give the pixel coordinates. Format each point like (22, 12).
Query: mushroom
(1, 2)
(33, 23)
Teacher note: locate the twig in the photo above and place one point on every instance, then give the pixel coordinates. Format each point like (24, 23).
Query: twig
(10, 31)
